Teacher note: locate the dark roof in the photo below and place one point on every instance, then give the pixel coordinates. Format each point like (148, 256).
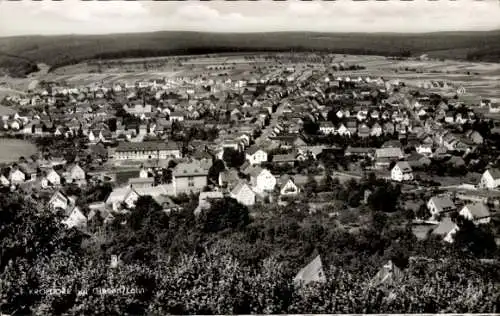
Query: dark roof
(145, 146)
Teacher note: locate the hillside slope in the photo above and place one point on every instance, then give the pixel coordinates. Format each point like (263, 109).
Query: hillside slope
(63, 50)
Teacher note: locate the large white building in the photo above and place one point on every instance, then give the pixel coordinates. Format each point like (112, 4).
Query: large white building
(146, 150)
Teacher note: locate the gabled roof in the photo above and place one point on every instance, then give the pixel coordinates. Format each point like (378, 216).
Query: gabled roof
(388, 153)
(253, 149)
(239, 188)
(284, 158)
(442, 202)
(495, 173)
(194, 168)
(445, 226)
(404, 166)
(389, 274)
(478, 210)
(313, 272)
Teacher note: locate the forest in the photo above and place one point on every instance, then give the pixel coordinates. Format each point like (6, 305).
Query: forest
(230, 259)
(58, 51)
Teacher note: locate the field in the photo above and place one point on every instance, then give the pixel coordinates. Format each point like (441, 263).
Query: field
(478, 78)
(13, 149)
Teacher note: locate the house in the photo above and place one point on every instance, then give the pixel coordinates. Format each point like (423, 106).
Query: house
(4, 181)
(376, 130)
(243, 194)
(424, 149)
(478, 213)
(228, 178)
(417, 160)
(166, 203)
(363, 131)
(60, 201)
(352, 126)
(262, 180)
(52, 179)
(446, 229)
(190, 176)
(75, 218)
(389, 128)
(16, 176)
(490, 179)
(76, 174)
(401, 172)
(141, 182)
(441, 204)
(343, 131)
(205, 200)
(122, 197)
(313, 272)
(359, 151)
(176, 116)
(288, 187)
(384, 156)
(388, 274)
(449, 117)
(310, 151)
(456, 161)
(327, 128)
(475, 137)
(285, 159)
(255, 155)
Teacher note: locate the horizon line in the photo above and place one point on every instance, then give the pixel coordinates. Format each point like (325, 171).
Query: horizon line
(250, 32)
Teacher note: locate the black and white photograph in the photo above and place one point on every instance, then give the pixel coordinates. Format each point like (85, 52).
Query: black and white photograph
(249, 157)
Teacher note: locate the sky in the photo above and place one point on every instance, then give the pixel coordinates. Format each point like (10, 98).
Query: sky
(105, 17)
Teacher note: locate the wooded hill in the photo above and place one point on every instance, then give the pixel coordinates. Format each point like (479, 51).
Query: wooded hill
(58, 51)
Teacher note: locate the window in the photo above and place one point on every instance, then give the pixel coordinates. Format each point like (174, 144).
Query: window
(190, 181)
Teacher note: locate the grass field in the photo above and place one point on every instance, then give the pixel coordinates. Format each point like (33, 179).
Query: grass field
(12, 149)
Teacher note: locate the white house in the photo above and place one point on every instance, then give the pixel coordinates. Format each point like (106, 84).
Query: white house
(490, 179)
(16, 176)
(76, 175)
(439, 205)
(262, 180)
(289, 188)
(76, 218)
(4, 181)
(447, 229)
(255, 155)
(126, 196)
(326, 128)
(343, 131)
(424, 149)
(477, 213)
(51, 179)
(60, 201)
(243, 194)
(402, 172)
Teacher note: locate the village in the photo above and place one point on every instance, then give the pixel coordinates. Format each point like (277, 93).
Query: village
(280, 138)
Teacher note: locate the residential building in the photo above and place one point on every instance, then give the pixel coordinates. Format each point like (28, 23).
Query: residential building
(243, 194)
(190, 176)
(326, 128)
(490, 179)
(446, 229)
(401, 172)
(439, 205)
(255, 155)
(288, 187)
(478, 213)
(262, 180)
